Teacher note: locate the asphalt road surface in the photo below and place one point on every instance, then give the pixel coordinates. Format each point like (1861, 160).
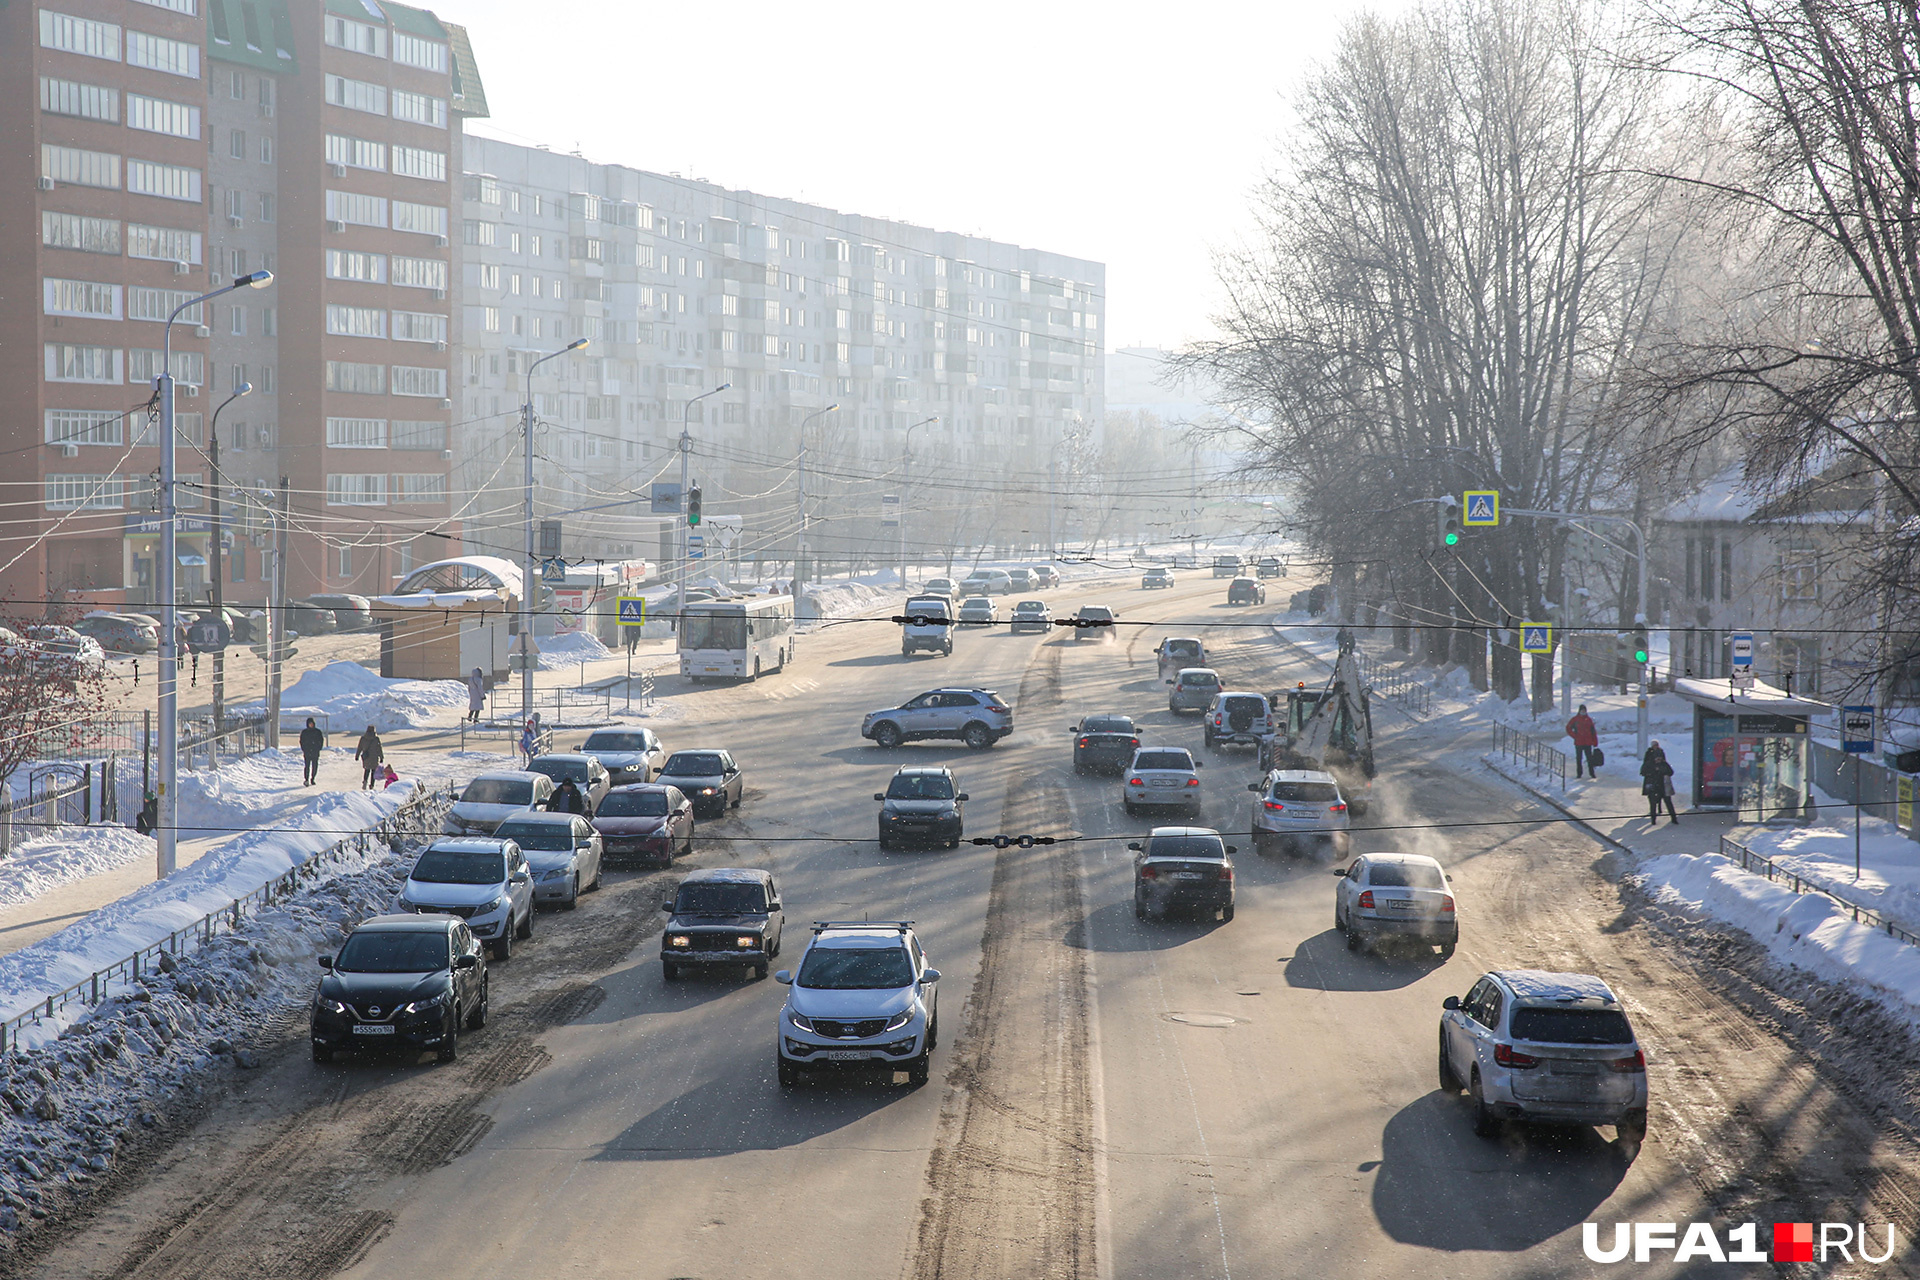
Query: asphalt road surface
(1112, 1097)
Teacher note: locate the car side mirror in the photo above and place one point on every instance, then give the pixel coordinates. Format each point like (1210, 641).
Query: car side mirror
(519, 877)
(1451, 1002)
(775, 905)
(930, 976)
(1233, 848)
(783, 975)
(962, 797)
(1134, 845)
(666, 906)
(1199, 764)
(1339, 873)
(326, 962)
(1169, 682)
(466, 962)
(1253, 786)
(879, 795)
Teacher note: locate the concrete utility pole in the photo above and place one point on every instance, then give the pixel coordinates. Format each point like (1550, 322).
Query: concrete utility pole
(213, 556)
(800, 559)
(277, 614)
(686, 463)
(168, 794)
(530, 571)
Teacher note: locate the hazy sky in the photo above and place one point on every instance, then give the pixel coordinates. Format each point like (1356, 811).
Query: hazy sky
(1125, 133)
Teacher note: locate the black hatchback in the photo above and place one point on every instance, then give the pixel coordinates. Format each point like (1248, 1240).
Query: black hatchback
(409, 983)
(1104, 744)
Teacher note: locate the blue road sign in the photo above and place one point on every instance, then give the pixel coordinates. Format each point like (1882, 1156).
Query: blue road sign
(1480, 508)
(553, 570)
(1856, 729)
(633, 611)
(1742, 645)
(1536, 637)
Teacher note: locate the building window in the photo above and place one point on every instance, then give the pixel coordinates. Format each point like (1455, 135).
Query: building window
(473, 231)
(427, 219)
(417, 437)
(348, 264)
(488, 275)
(236, 144)
(266, 386)
(356, 322)
(356, 153)
(157, 304)
(346, 490)
(343, 561)
(237, 563)
(143, 366)
(266, 151)
(157, 53)
(237, 321)
(420, 273)
(81, 298)
(412, 51)
(168, 181)
(71, 231)
(356, 433)
(71, 98)
(419, 326)
(490, 319)
(356, 379)
(356, 37)
(157, 115)
(356, 209)
(269, 322)
(73, 362)
(417, 162)
(73, 492)
(426, 487)
(266, 207)
(79, 35)
(356, 95)
(163, 244)
(236, 375)
(80, 168)
(85, 426)
(419, 108)
(409, 380)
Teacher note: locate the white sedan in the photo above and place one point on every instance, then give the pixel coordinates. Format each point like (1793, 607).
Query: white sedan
(978, 611)
(1396, 895)
(1161, 778)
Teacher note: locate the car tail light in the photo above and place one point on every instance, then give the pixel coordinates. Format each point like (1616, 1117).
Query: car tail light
(1446, 905)
(1366, 900)
(1135, 782)
(1193, 782)
(1136, 742)
(1226, 873)
(1274, 806)
(1216, 722)
(1638, 1062)
(1086, 742)
(1149, 873)
(1336, 808)
(1507, 1056)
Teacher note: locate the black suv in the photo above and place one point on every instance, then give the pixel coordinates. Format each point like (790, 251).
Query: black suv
(1104, 742)
(1246, 591)
(401, 982)
(924, 805)
(726, 915)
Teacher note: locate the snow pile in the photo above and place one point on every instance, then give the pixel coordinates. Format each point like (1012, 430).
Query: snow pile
(153, 911)
(1807, 930)
(68, 854)
(560, 653)
(843, 600)
(255, 791)
(353, 697)
(68, 1105)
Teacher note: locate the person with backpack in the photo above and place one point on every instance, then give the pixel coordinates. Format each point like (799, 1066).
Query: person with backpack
(1586, 743)
(1656, 784)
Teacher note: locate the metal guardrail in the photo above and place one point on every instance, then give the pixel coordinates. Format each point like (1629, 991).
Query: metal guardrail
(580, 708)
(49, 804)
(419, 816)
(1761, 865)
(511, 731)
(1533, 752)
(240, 740)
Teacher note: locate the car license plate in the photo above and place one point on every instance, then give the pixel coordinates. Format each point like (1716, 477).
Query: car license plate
(373, 1029)
(1576, 1068)
(1186, 875)
(1163, 782)
(848, 1055)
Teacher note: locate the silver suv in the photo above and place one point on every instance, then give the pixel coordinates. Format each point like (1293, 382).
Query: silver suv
(863, 996)
(978, 717)
(1193, 689)
(1553, 1047)
(1243, 719)
(1296, 809)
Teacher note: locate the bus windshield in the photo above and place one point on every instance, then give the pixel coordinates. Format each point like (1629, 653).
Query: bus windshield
(700, 630)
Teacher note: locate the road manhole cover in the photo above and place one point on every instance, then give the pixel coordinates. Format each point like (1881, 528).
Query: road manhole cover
(1203, 1019)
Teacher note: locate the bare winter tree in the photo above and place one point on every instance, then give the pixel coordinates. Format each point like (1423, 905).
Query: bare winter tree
(1453, 265)
(47, 697)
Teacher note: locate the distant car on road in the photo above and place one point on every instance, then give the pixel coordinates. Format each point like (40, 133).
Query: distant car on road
(1182, 869)
(1157, 577)
(1243, 719)
(1030, 615)
(1246, 591)
(1299, 808)
(401, 982)
(922, 805)
(1044, 575)
(491, 798)
(1020, 579)
(986, 582)
(1551, 1047)
(1228, 565)
(709, 778)
(933, 631)
(1396, 895)
(978, 611)
(485, 882)
(118, 634)
(1176, 653)
(563, 851)
(863, 996)
(941, 587)
(1193, 689)
(1104, 743)
(305, 618)
(646, 820)
(1099, 619)
(978, 717)
(350, 612)
(722, 916)
(1161, 778)
(587, 773)
(627, 754)
(1269, 567)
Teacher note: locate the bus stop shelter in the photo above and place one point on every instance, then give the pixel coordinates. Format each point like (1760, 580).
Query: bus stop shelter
(1750, 749)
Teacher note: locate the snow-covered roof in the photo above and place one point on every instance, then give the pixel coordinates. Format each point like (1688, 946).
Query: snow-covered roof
(490, 578)
(1720, 499)
(1539, 984)
(1723, 698)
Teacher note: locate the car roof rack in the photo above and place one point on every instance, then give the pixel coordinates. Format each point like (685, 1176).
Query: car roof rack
(900, 926)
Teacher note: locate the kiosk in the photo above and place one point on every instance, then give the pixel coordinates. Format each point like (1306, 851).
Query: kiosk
(1750, 748)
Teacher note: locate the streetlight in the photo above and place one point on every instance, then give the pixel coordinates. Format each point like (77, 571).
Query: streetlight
(800, 557)
(169, 693)
(906, 470)
(686, 454)
(528, 570)
(213, 557)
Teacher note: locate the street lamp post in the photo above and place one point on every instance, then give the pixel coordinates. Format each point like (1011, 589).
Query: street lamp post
(686, 459)
(165, 834)
(800, 557)
(213, 555)
(906, 473)
(529, 572)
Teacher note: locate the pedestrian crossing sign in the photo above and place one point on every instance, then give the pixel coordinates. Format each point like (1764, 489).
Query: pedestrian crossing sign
(1480, 508)
(1536, 637)
(633, 611)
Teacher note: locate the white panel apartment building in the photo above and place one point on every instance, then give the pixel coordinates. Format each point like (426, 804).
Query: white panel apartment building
(681, 286)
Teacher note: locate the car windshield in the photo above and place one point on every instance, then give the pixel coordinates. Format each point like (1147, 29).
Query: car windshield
(1306, 792)
(1405, 875)
(1197, 678)
(1571, 1026)
(720, 899)
(616, 742)
(461, 866)
(380, 951)
(1096, 611)
(692, 764)
(634, 804)
(1106, 724)
(1030, 606)
(560, 770)
(704, 630)
(1163, 760)
(977, 606)
(934, 606)
(498, 791)
(920, 786)
(548, 836)
(1187, 847)
(1183, 648)
(855, 968)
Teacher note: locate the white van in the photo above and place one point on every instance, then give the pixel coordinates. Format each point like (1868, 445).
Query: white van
(935, 633)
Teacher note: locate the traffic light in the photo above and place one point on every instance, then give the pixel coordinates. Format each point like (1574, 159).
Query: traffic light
(1447, 522)
(693, 506)
(1641, 653)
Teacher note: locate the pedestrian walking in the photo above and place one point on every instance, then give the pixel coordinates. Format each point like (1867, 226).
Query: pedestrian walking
(193, 659)
(390, 777)
(1656, 784)
(1586, 741)
(476, 695)
(371, 756)
(312, 740)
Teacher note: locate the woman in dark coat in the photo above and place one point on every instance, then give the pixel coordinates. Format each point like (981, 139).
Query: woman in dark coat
(371, 755)
(1656, 784)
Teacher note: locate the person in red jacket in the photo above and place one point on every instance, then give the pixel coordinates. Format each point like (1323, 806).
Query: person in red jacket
(1585, 739)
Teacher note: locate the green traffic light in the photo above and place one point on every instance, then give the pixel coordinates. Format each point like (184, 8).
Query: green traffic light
(1639, 655)
(1453, 538)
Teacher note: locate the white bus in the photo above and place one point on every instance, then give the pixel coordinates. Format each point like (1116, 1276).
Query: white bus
(736, 638)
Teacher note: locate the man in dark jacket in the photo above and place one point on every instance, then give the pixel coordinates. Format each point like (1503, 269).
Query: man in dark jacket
(371, 755)
(312, 741)
(567, 799)
(1585, 739)
(1656, 784)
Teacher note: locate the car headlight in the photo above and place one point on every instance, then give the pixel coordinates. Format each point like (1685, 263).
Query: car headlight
(800, 1020)
(679, 940)
(707, 791)
(500, 903)
(899, 1020)
(421, 1006)
(331, 1005)
(746, 940)
(557, 873)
